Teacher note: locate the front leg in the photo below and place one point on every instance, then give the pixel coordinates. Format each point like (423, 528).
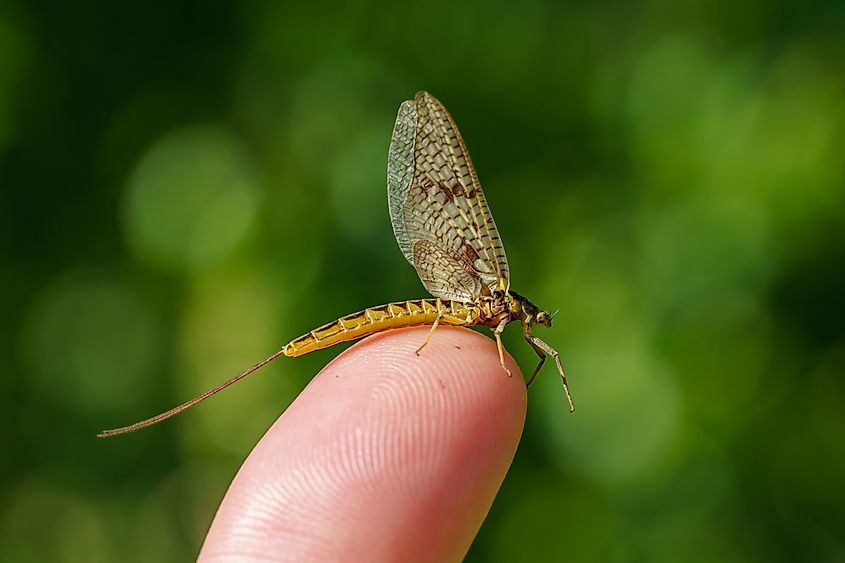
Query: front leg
(553, 353)
(498, 334)
(542, 356)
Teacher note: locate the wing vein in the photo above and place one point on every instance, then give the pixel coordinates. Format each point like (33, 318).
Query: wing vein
(440, 216)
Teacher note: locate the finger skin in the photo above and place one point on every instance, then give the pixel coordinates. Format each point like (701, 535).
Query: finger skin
(385, 456)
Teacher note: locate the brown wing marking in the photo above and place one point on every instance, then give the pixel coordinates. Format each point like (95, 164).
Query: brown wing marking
(435, 198)
(440, 154)
(442, 274)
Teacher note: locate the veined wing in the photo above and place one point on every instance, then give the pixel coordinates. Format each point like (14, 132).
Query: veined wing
(437, 207)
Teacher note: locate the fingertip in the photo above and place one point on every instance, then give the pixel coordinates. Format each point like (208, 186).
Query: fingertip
(385, 455)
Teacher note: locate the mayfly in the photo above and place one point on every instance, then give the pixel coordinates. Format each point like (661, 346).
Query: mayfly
(445, 230)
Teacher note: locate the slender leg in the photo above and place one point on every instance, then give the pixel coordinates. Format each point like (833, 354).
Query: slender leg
(553, 353)
(430, 333)
(498, 334)
(542, 356)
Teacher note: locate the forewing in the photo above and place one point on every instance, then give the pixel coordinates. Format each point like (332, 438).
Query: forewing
(438, 210)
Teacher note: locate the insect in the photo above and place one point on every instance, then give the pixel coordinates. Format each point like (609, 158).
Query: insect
(445, 230)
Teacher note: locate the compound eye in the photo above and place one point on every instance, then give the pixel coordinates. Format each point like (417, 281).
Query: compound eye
(544, 319)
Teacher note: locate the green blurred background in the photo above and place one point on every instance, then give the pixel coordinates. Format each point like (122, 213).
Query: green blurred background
(186, 187)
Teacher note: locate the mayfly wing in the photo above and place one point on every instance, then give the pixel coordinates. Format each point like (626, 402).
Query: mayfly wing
(440, 216)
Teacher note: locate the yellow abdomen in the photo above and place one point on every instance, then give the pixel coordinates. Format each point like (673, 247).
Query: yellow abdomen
(376, 319)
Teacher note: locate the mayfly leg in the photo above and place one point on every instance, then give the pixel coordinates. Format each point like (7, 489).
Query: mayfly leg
(540, 354)
(498, 334)
(534, 341)
(430, 332)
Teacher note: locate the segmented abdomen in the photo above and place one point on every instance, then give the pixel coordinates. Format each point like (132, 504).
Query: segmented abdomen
(376, 319)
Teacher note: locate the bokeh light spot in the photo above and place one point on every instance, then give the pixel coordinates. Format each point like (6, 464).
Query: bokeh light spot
(91, 343)
(191, 199)
(627, 410)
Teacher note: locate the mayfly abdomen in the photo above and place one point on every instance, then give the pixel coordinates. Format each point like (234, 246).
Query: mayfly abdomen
(376, 319)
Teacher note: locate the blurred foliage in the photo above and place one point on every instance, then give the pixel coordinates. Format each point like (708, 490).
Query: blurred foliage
(184, 188)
